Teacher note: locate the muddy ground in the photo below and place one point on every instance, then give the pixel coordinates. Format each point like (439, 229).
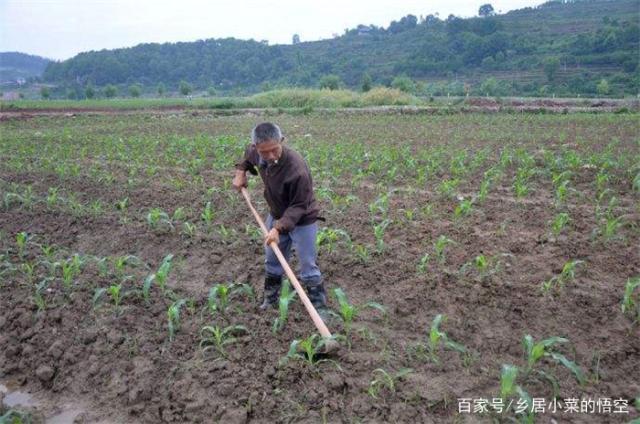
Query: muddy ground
(118, 365)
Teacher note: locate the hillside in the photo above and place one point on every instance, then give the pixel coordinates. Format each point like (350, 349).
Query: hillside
(566, 48)
(14, 65)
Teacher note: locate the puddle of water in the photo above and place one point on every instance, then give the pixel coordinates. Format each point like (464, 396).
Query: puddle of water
(17, 398)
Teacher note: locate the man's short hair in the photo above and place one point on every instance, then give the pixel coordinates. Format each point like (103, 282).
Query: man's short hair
(266, 132)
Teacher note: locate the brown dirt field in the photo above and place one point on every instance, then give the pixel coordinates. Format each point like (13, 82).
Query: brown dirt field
(121, 367)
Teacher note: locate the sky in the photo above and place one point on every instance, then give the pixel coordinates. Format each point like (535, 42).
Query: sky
(59, 29)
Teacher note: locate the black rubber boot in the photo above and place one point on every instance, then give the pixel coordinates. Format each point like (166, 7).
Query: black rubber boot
(271, 292)
(318, 297)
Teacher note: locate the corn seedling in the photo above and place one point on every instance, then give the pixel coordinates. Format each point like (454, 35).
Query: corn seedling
(329, 237)
(11, 199)
(409, 214)
(561, 191)
(220, 296)
(97, 295)
(28, 269)
(70, 269)
(215, 337)
(349, 312)
(225, 233)
(158, 220)
(485, 185)
(385, 380)
(103, 266)
(520, 188)
(178, 215)
(121, 262)
(52, 197)
(378, 232)
(422, 264)
(561, 178)
(380, 206)
(362, 252)
(115, 292)
(631, 299)
(146, 287)
(535, 351)
(567, 275)
(27, 197)
(207, 215)
(122, 205)
(447, 188)
(308, 351)
(21, 242)
(610, 227)
(163, 272)
(481, 263)
(253, 232)
(38, 297)
(511, 375)
(6, 268)
(286, 297)
(173, 317)
(96, 208)
(463, 208)
(159, 276)
(427, 210)
(47, 251)
(439, 338)
(559, 222)
(602, 179)
(189, 229)
(439, 247)
(75, 207)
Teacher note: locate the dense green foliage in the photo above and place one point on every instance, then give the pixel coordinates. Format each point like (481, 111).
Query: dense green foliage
(15, 65)
(561, 48)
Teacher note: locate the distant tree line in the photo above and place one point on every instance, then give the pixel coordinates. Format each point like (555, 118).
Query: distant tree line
(417, 49)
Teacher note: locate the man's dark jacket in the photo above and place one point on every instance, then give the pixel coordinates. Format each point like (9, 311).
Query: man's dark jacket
(288, 187)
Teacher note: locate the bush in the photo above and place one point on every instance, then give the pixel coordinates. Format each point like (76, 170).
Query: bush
(89, 92)
(403, 83)
(332, 82)
(303, 98)
(135, 90)
(110, 91)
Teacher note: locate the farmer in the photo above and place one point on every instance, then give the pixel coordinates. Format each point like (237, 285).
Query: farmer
(293, 212)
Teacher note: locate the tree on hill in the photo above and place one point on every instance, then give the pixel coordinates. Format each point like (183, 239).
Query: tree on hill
(550, 67)
(486, 10)
(185, 88)
(366, 82)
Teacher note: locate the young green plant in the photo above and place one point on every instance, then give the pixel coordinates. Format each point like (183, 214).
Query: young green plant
(215, 337)
(349, 312)
(286, 297)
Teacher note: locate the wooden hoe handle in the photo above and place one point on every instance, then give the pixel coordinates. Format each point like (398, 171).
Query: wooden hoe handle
(320, 325)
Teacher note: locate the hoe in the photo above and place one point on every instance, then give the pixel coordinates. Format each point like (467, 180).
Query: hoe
(330, 345)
